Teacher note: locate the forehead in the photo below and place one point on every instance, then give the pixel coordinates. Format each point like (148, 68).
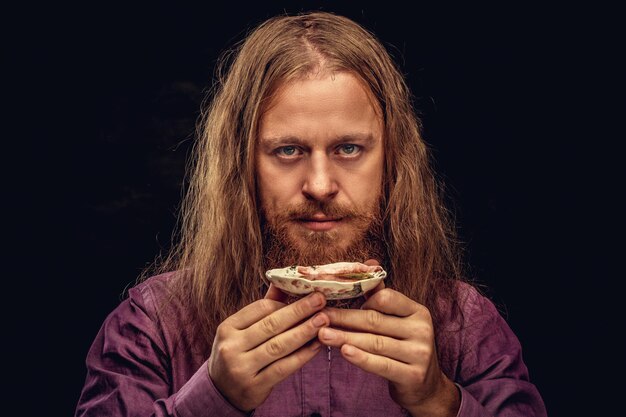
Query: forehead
(321, 105)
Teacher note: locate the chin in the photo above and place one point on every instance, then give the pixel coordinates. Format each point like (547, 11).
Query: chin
(297, 245)
(317, 248)
(305, 239)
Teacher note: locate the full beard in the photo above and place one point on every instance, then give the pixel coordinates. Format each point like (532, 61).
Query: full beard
(285, 247)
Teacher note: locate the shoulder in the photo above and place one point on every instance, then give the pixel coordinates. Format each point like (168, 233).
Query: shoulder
(154, 286)
(474, 302)
(465, 305)
(468, 316)
(476, 336)
(481, 324)
(151, 297)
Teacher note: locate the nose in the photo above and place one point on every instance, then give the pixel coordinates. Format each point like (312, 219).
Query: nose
(320, 183)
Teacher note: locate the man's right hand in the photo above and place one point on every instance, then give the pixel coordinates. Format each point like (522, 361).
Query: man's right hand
(262, 344)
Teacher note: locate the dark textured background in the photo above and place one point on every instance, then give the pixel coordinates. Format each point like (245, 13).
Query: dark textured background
(516, 102)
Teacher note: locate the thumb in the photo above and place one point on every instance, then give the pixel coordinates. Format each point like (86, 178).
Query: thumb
(275, 294)
(372, 262)
(374, 290)
(381, 284)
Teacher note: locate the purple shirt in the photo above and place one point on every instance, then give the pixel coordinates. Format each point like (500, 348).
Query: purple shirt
(143, 365)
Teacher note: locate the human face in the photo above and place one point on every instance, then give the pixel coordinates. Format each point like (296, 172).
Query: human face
(319, 161)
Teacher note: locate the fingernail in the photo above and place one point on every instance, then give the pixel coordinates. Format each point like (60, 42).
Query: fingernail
(316, 345)
(318, 321)
(348, 350)
(329, 334)
(315, 300)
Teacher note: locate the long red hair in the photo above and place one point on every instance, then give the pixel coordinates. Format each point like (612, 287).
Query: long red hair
(220, 248)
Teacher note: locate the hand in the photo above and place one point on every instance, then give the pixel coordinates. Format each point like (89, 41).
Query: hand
(262, 344)
(392, 336)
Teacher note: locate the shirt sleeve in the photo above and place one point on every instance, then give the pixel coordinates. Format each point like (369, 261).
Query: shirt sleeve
(128, 373)
(494, 380)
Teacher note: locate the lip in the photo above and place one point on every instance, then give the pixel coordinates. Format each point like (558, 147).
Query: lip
(320, 223)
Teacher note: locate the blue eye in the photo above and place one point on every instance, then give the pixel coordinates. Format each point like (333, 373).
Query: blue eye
(349, 149)
(287, 151)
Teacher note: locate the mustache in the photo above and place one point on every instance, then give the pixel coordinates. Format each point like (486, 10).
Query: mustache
(328, 209)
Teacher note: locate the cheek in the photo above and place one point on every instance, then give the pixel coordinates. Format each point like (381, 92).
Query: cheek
(262, 184)
(275, 189)
(366, 187)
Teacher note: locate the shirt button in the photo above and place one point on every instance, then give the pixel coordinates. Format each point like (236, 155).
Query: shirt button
(316, 415)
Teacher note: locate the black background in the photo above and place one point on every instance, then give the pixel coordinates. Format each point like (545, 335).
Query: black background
(517, 103)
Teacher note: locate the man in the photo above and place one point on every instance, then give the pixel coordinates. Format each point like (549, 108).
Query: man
(310, 154)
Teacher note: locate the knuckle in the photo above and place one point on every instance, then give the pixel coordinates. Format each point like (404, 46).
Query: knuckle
(281, 371)
(222, 331)
(422, 353)
(423, 311)
(428, 352)
(384, 297)
(220, 349)
(223, 350)
(379, 345)
(300, 308)
(267, 306)
(270, 325)
(339, 315)
(414, 352)
(417, 375)
(387, 368)
(423, 330)
(412, 328)
(274, 348)
(373, 319)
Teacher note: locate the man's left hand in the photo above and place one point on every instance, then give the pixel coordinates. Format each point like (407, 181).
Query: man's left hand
(393, 336)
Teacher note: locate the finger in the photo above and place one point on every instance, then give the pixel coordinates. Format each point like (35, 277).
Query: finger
(380, 286)
(282, 368)
(372, 343)
(283, 319)
(387, 368)
(368, 321)
(285, 343)
(392, 302)
(253, 312)
(276, 294)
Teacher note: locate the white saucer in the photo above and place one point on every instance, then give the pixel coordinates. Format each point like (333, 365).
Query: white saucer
(293, 283)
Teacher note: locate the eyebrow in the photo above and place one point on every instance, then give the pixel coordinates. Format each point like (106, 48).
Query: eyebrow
(277, 141)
